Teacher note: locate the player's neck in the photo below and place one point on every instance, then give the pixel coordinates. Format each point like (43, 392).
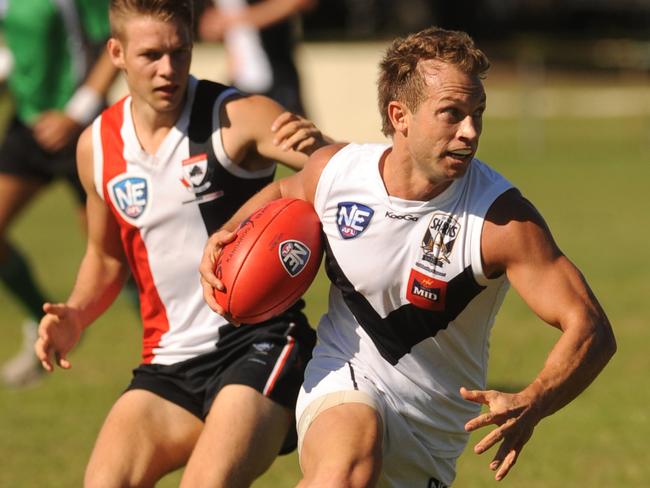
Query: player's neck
(152, 126)
(403, 180)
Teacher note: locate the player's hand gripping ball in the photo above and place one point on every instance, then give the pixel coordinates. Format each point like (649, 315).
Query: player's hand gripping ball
(272, 261)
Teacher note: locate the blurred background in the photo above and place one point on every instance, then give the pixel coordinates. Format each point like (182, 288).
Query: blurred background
(568, 122)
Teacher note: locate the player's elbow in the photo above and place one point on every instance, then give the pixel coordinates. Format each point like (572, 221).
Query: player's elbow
(609, 342)
(603, 340)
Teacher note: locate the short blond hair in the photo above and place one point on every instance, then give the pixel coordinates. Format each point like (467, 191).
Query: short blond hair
(165, 10)
(400, 76)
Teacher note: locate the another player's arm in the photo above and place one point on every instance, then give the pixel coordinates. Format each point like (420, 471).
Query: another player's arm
(300, 185)
(56, 128)
(256, 131)
(101, 274)
(214, 22)
(517, 241)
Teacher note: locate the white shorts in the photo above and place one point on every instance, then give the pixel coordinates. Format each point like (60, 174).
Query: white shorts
(406, 461)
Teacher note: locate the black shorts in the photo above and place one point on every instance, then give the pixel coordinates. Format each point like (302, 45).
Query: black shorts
(21, 155)
(270, 357)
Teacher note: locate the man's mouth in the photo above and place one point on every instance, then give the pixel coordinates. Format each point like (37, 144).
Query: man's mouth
(462, 153)
(167, 89)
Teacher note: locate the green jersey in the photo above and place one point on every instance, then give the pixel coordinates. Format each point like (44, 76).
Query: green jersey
(54, 43)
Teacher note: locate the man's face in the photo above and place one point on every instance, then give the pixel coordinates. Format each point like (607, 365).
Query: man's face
(444, 131)
(155, 57)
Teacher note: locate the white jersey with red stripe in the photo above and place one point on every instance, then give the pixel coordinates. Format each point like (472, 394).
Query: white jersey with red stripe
(162, 202)
(410, 307)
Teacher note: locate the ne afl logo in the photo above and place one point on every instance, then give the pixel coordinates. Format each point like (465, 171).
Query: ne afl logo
(352, 219)
(130, 195)
(294, 256)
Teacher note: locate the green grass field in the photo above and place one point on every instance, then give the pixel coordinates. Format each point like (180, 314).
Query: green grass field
(589, 177)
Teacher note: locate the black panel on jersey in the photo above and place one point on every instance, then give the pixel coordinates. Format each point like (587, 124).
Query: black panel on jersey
(236, 191)
(403, 328)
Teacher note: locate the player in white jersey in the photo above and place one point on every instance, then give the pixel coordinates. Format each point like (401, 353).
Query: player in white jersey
(422, 241)
(163, 168)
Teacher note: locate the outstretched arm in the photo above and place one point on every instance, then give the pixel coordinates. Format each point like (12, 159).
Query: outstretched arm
(517, 241)
(100, 277)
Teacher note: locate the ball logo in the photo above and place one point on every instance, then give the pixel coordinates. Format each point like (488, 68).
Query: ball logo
(294, 256)
(352, 219)
(130, 195)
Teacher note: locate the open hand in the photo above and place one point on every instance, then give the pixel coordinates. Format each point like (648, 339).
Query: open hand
(58, 332)
(516, 418)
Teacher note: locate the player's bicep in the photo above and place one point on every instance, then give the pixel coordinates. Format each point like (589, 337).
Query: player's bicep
(517, 241)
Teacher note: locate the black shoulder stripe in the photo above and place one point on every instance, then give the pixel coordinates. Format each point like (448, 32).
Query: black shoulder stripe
(200, 127)
(226, 192)
(403, 328)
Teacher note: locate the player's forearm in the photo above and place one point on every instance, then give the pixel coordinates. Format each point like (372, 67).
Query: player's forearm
(574, 362)
(102, 75)
(89, 98)
(99, 281)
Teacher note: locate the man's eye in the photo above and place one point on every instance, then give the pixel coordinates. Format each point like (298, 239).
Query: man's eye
(452, 113)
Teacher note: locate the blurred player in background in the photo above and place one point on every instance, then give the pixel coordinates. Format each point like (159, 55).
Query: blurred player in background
(260, 39)
(163, 168)
(398, 377)
(58, 83)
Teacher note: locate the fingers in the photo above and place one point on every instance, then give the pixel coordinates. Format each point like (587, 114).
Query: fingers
(488, 418)
(283, 119)
(493, 437)
(55, 336)
(294, 132)
(62, 361)
(209, 275)
(476, 396)
(506, 465)
(208, 296)
(42, 350)
(58, 309)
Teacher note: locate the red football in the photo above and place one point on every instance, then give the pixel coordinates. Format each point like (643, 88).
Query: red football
(271, 262)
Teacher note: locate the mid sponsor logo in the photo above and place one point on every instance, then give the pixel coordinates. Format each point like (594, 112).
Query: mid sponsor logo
(352, 219)
(426, 292)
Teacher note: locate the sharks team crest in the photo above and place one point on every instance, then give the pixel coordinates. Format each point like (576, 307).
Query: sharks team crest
(130, 195)
(439, 239)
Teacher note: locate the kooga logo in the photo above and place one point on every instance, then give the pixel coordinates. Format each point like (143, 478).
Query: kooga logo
(409, 217)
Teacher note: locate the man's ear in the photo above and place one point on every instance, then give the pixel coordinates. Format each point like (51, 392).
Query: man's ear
(398, 116)
(115, 49)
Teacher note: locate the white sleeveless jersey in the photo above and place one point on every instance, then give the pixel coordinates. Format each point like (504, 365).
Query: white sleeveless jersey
(410, 307)
(166, 204)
